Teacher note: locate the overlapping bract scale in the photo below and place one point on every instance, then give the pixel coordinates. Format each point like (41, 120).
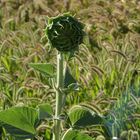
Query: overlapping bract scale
(64, 33)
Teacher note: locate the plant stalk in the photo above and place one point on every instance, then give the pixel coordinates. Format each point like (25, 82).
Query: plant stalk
(59, 96)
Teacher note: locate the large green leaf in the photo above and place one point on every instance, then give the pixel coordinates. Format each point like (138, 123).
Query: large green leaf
(75, 135)
(81, 116)
(45, 111)
(45, 68)
(19, 121)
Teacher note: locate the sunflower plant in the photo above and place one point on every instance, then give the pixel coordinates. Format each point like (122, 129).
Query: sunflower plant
(65, 34)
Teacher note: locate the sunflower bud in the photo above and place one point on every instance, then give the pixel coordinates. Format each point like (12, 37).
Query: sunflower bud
(64, 33)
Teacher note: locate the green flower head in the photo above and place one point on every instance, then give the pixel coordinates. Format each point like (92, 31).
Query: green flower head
(64, 33)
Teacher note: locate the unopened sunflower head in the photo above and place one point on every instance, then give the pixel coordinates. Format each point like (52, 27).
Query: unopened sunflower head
(64, 33)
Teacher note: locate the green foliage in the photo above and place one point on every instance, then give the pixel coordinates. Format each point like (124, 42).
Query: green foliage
(75, 135)
(45, 111)
(129, 135)
(118, 119)
(81, 117)
(107, 66)
(47, 69)
(20, 122)
(69, 80)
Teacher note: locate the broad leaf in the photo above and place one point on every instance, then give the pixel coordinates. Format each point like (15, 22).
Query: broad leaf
(19, 121)
(81, 116)
(45, 111)
(75, 135)
(69, 80)
(45, 68)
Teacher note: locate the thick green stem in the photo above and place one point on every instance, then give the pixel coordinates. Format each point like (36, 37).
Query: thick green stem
(59, 97)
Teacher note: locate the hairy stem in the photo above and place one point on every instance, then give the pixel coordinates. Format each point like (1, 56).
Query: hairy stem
(59, 97)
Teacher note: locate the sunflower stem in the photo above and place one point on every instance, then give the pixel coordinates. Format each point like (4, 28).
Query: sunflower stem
(59, 97)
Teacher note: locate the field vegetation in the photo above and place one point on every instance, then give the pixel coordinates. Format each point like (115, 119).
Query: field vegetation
(106, 68)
